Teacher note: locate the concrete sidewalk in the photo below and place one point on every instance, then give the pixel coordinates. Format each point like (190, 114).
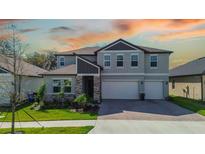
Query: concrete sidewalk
(61, 123)
(148, 127)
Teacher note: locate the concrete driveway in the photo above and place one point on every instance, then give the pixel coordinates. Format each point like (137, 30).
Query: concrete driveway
(145, 110)
(146, 117)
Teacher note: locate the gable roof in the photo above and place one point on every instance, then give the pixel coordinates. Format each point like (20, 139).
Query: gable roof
(81, 51)
(66, 70)
(123, 45)
(145, 49)
(24, 68)
(195, 67)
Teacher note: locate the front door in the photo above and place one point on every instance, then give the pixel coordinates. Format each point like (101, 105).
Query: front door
(88, 85)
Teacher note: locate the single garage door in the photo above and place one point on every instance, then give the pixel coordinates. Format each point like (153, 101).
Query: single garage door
(120, 90)
(153, 90)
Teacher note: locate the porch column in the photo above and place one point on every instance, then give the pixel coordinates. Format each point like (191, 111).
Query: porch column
(97, 88)
(79, 86)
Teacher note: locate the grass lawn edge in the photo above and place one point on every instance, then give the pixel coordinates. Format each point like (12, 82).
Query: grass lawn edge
(196, 106)
(50, 130)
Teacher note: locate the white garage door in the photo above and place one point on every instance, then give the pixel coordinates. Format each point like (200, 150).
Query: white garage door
(120, 90)
(153, 90)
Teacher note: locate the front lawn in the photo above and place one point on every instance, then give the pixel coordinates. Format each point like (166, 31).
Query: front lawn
(191, 104)
(50, 130)
(48, 114)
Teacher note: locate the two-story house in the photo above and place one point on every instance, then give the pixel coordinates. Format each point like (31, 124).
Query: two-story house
(120, 70)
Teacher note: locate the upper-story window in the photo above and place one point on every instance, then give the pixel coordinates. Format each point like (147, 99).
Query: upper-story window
(120, 60)
(134, 60)
(107, 60)
(153, 61)
(62, 61)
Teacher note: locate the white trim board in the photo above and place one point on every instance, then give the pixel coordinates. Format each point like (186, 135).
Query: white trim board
(87, 62)
(146, 74)
(119, 51)
(88, 74)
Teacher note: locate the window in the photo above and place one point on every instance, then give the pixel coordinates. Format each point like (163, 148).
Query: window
(153, 61)
(134, 60)
(62, 61)
(107, 60)
(3, 71)
(119, 60)
(56, 86)
(67, 86)
(63, 85)
(173, 84)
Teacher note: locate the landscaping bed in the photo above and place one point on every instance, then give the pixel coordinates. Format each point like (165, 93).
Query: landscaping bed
(196, 106)
(49, 130)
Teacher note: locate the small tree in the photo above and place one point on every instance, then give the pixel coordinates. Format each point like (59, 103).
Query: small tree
(12, 50)
(40, 93)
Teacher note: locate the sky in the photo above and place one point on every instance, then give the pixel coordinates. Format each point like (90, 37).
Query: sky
(186, 37)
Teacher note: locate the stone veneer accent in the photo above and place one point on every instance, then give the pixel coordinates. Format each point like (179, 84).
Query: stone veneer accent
(79, 85)
(97, 88)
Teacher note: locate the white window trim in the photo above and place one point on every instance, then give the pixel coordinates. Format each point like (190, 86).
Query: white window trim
(133, 54)
(61, 61)
(61, 80)
(150, 61)
(106, 67)
(122, 60)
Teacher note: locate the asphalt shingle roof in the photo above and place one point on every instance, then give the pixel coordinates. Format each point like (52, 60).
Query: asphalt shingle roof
(195, 67)
(81, 51)
(66, 70)
(93, 50)
(23, 68)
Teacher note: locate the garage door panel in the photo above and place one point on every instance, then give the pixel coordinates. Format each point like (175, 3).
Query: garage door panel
(120, 90)
(153, 90)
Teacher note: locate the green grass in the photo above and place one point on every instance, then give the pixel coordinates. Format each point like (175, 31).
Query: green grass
(191, 104)
(50, 130)
(49, 114)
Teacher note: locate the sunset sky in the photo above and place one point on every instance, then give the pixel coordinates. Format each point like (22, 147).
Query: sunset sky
(185, 37)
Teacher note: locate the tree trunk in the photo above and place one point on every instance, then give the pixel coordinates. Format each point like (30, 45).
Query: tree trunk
(13, 117)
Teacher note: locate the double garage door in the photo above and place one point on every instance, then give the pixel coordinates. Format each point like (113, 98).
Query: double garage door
(130, 90)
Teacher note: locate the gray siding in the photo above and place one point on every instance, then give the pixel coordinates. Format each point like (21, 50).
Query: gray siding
(68, 60)
(120, 46)
(84, 67)
(127, 62)
(71, 59)
(143, 65)
(163, 63)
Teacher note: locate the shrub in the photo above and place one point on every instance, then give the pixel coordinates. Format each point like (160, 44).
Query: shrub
(40, 92)
(82, 100)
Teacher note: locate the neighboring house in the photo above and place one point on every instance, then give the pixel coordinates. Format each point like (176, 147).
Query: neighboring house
(188, 80)
(120, 70)
(27, 73)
